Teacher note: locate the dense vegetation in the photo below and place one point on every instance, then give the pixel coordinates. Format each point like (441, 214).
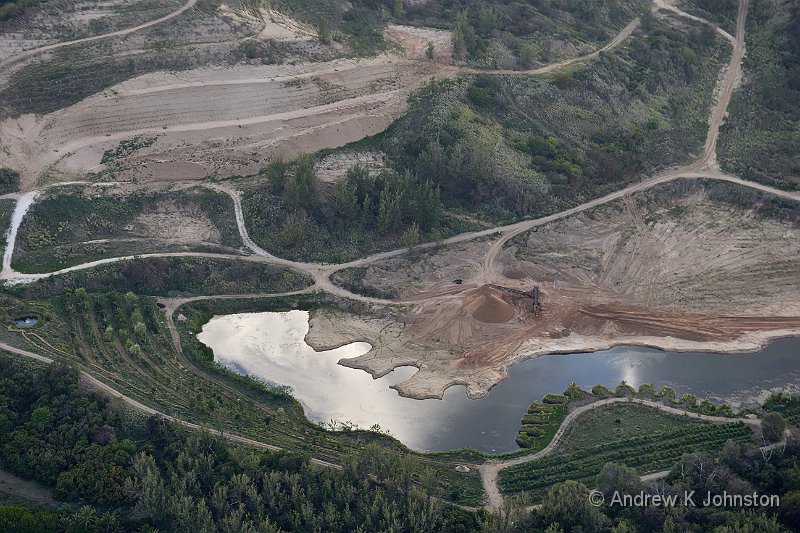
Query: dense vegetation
(9, 180)
(152, 474)
(524, 145)
(722, 12)
(760, 136)
(6, 210)
(171, 276)
(299, 217)
(15, 8)
(136, 473)
(738, 470)
(66, 228)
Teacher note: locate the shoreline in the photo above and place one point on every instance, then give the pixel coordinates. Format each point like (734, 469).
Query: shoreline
(437, 383)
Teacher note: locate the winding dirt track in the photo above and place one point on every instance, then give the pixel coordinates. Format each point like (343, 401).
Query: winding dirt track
(94, 382)
(119, 33)
(704, 168)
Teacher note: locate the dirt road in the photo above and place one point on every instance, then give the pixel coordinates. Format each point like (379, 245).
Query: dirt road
(96, 383)
(705, 167)
(195, 116)
(120, 33)
(618, 39)
(490, 470)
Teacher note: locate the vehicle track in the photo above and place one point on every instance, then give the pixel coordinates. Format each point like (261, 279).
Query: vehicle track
(119, 33)
(107, 389)
(704, 168)
(490, 470)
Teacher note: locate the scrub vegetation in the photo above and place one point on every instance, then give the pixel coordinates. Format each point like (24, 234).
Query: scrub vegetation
(760, 136)
(510, 146)
(171, 276)
(6, 210)
(506, 34)
(63, 229)
(9, 180)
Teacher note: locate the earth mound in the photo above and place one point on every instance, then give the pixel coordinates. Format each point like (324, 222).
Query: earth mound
(487, 305)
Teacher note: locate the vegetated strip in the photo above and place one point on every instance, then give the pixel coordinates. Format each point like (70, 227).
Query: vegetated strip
(645, 454)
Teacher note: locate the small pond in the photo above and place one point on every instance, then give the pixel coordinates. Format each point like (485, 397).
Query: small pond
(26, 322)
(271, 346)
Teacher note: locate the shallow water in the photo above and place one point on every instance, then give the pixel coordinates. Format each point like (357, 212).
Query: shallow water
(27, 322)
(272, 347)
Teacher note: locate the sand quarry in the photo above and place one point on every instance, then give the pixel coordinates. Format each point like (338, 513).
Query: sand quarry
(225, 121)
(679, 272)
(674, 270)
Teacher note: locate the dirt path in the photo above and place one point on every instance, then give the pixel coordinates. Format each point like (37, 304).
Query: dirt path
(729, 82)
(491, 469)
(120, 33)
(28, 490)
(321, 272)
(620, 38)
(107, 389)
(75, 138)
(705, 167)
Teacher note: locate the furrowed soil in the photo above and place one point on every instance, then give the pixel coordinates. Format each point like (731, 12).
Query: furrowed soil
(686, 267)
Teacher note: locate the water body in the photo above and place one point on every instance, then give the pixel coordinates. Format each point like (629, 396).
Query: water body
(27, 322)
(271, 346)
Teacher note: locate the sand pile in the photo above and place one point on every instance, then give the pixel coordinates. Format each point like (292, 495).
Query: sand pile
(487, 305)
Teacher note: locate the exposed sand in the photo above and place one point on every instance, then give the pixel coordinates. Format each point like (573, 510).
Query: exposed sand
(216, 121)
(665, 269)
(487, 305)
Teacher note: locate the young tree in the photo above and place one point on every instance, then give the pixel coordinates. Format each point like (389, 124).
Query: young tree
(411, 236)
(429, 50)
(463, 37)
(772, 425)
(276, 174)
(302, 190)
(345, 201)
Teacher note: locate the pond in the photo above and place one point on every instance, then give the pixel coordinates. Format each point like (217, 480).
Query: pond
(26, 322)
(271, 346)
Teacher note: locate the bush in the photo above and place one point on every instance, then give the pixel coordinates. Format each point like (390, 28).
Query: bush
(9, 180)
(772, 426)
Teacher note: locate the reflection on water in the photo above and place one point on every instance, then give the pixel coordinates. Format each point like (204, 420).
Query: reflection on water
(272, 347)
